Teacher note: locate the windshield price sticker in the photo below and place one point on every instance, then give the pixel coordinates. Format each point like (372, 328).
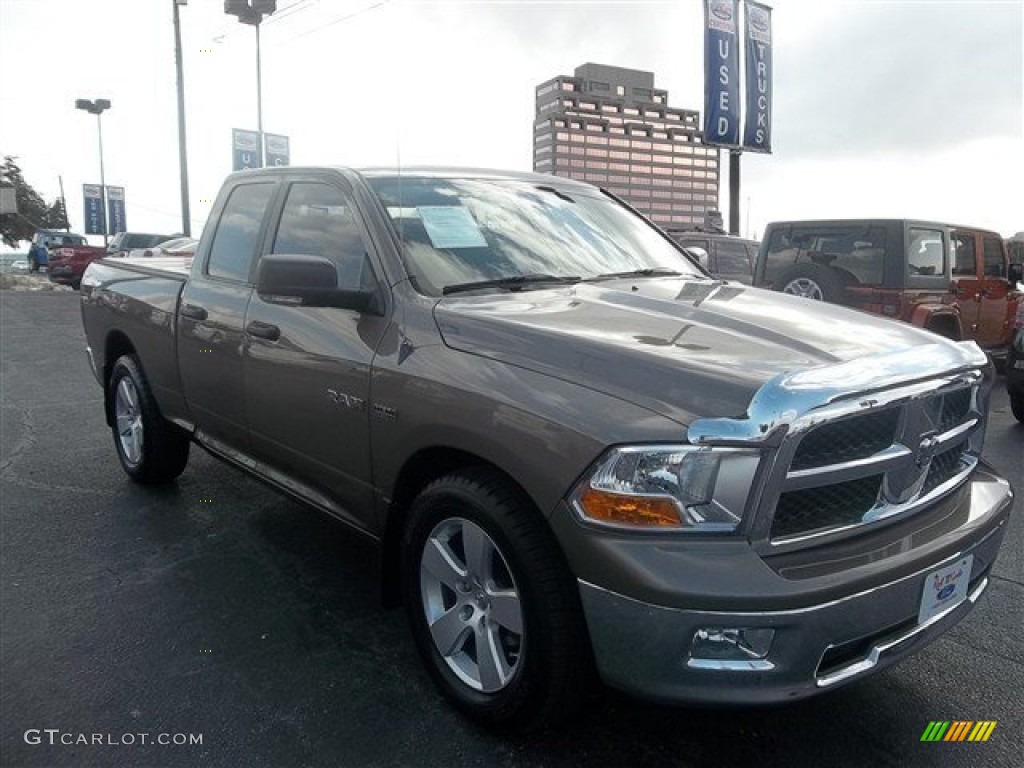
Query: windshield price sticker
(451, 226)
(945, 588)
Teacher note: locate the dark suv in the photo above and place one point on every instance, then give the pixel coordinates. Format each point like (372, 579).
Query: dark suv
(123, 242)
(952, 280)
(725, 256)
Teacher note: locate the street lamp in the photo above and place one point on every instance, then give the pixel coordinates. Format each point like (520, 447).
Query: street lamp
(96, 107)
(252, 12)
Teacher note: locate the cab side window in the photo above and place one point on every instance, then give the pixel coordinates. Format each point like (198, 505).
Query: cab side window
(321, 220)
(235, 242)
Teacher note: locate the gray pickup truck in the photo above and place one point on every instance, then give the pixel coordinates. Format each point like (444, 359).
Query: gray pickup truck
(576, 450)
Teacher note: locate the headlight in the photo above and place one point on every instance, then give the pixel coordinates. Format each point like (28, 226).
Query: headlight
(670, 487)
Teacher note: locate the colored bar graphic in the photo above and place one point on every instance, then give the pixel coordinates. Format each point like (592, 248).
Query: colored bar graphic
(958, 730)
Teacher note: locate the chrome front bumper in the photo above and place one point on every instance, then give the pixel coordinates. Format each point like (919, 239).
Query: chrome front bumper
(644, 649)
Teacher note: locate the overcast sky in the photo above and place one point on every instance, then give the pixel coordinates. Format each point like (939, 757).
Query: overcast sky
(897, 109)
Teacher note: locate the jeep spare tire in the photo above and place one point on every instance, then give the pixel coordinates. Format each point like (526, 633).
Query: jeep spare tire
(812, 281)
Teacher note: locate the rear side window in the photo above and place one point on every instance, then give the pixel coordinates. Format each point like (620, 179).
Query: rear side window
(994, 264)
(856, 250)
(965, 260)
(234, 244)
(732, 258)
(926, 253)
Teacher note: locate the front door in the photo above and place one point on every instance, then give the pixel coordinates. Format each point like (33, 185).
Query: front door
(307, 369)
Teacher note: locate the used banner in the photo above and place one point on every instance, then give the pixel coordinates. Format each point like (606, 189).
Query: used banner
(721, 73)
(94, 213)
(247, 149)
(757, 134)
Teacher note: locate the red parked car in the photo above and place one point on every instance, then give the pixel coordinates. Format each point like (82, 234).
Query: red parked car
(66, 265)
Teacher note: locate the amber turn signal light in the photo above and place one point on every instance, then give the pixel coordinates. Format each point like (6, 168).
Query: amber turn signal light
(636, 511)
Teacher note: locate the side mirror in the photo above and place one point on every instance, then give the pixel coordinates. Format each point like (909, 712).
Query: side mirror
(700, 255)
(308, 281)
(1015, 273)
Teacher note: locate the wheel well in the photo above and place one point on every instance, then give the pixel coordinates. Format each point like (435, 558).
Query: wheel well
(419, 471)
(944, 325)
(117, 345)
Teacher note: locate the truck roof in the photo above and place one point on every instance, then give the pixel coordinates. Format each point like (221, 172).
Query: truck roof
(447, 172)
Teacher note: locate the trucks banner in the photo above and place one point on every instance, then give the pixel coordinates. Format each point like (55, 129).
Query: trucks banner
(118, 219)
(757, 132)
(94, 213)
(721, 73)
(278, 149)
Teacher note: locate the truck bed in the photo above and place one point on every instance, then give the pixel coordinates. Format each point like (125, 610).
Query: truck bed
(137, 299)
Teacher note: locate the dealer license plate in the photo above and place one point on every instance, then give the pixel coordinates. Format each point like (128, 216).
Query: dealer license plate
(945, 588)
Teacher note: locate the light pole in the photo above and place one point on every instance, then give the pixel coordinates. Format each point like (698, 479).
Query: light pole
(96, 107)
(252, 12)
(186, 215)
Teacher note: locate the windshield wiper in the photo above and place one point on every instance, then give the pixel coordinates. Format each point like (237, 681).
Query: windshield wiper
(647, 272)
(516, 283)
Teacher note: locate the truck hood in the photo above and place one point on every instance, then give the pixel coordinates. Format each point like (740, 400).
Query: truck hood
(681, 347)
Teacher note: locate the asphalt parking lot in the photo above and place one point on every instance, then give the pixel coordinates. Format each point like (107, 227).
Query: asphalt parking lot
(217, 607)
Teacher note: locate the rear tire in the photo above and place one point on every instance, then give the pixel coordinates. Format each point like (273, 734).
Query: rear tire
(151, 449)
(812, 281)
(491, 603)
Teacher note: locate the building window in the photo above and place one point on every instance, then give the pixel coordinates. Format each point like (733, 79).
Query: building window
(577, 137)
(598, 177)
(631, 111)
(568, 87)
(597, 140)
(595, 127)
(595, 152)
(597, 86)
(641, 145)
(620, 90)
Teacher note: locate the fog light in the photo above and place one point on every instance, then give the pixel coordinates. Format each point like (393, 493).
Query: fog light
(731, 648)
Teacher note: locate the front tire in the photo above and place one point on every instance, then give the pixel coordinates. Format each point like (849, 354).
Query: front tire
(1017, 405)
(491, 603)
(151, 449)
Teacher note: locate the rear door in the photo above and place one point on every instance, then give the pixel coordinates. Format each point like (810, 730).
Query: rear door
(966, 248)
(211, 315)
(307, 369)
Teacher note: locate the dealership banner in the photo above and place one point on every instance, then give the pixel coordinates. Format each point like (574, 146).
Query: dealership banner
(94, 213)
(757, 134)
(115, 202)
(247, 151)
(277, 149)
(721, 73)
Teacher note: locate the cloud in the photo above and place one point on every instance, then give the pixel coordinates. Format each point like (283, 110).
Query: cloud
(910, 77)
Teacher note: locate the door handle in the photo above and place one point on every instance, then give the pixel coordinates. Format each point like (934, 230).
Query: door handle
(263, 330)
(193, 312)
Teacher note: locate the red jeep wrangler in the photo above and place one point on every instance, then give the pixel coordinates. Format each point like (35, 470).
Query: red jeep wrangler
(955, 281)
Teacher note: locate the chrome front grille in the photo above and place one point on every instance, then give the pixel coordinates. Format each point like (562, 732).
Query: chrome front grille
(873, 464)
(847, 439)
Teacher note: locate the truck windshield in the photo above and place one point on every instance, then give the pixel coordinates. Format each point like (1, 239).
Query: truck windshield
(462, 231)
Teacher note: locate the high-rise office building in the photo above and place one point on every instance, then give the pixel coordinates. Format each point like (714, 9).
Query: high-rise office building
(611, 127)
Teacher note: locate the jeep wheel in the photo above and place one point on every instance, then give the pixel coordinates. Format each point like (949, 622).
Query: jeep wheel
(812, 281)
(491, 603)
(151, 449)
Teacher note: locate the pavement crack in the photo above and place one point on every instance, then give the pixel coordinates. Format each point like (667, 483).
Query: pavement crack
(27, 440)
